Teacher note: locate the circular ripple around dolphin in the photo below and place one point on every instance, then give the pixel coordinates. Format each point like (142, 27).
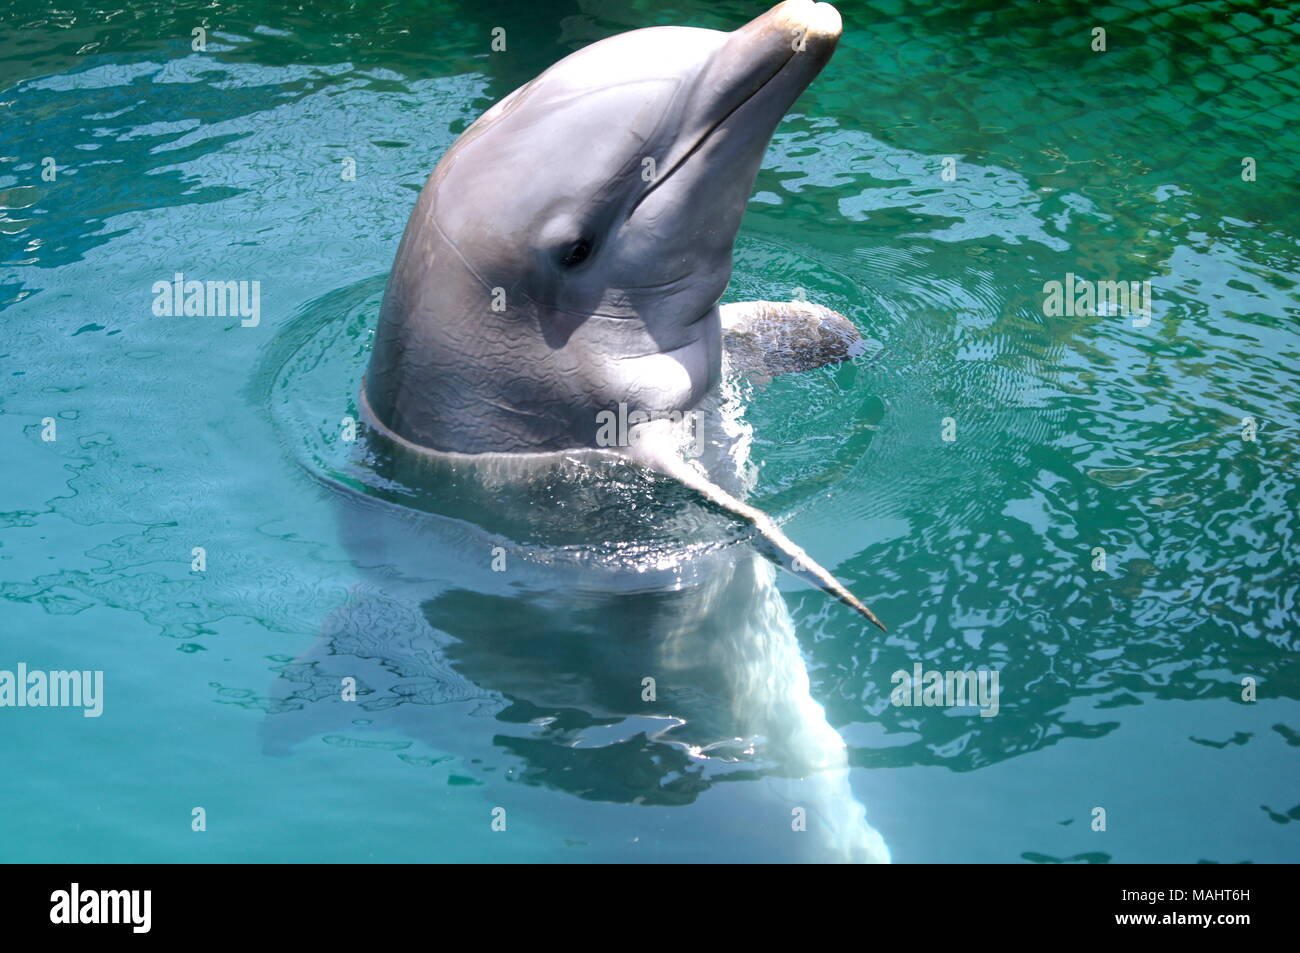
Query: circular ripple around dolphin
(613, 514)
(950, 344)
(620, 514)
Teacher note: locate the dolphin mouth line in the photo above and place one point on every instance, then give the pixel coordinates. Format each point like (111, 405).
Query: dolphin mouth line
(707, 134)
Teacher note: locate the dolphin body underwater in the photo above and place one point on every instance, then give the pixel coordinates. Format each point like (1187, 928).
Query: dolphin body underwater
(565, 262)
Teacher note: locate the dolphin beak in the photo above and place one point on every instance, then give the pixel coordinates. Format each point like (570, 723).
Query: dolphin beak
(765, 65)
(820, 22)
(746, 88)
(776, 55)
(803, 27)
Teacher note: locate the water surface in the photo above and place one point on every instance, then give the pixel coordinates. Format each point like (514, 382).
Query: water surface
(1121, 687)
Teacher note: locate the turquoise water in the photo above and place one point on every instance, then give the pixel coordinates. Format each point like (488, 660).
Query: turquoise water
(1121, 687)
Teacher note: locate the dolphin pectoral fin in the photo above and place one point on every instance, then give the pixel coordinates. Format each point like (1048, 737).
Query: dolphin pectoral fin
(781, 549)
(780, 544)
(778, 337)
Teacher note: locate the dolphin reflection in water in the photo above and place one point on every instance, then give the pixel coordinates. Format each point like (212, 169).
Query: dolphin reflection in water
(565, 262)
(513, 639)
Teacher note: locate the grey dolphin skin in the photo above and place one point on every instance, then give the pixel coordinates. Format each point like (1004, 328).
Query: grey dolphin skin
(567, 256)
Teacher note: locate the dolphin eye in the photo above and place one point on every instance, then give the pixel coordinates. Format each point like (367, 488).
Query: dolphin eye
(576, 253)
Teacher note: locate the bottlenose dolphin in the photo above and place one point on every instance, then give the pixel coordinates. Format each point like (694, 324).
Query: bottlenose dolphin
(515, 562)
(566, 258)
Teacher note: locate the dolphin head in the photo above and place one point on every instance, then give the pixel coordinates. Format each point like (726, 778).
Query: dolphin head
(568, 253)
